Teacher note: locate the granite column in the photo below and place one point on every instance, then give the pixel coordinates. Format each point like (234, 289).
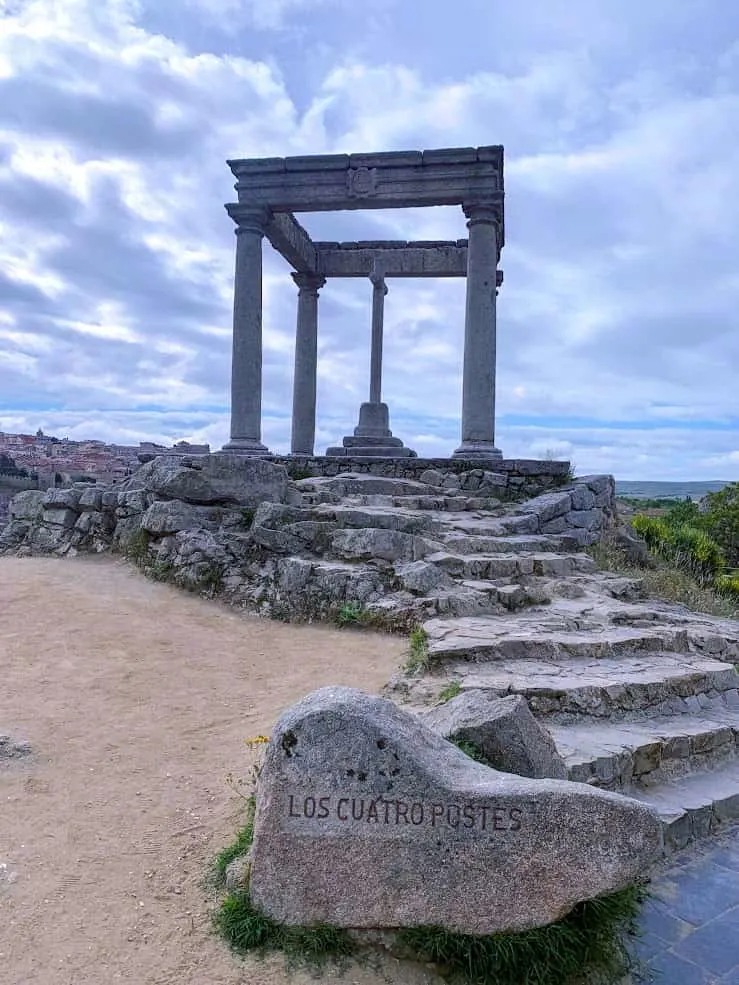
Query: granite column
(306, 364)
(246, 360)
(379, 290)
(478, 377)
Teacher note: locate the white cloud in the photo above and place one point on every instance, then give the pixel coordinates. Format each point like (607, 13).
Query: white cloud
(621, 290)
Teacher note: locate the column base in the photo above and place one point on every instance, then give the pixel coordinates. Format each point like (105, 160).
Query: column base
(372, 437)
(246, 446)
(477, 450)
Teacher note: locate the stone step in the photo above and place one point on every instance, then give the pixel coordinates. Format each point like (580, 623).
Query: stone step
(510, 595)
(459, 543)
(693, 807)
(540, 636)
(459, 503)
(511, 523)
(624, 755)
(570, 689)
(481, 566)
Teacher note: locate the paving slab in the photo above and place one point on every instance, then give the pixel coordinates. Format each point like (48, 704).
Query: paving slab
(690, 926)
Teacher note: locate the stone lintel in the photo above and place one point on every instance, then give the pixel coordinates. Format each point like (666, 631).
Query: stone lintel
(289, 238)
(358, 260)
(492, 153)
(405, 179)
(334, 191)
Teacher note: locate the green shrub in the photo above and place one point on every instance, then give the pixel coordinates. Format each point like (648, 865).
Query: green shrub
(694, 551)
(683, 545)
(721, 520)
(684, 511)
(665, 581)
(652, 529)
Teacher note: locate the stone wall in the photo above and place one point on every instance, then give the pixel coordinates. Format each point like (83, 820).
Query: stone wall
(524, 477)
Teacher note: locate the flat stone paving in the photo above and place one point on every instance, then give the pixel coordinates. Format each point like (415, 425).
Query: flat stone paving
(691, 925)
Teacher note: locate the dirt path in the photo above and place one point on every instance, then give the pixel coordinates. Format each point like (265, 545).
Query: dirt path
(137, 700)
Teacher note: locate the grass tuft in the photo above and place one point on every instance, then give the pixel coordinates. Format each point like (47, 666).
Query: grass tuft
(246, 929)
(350, 614)
(418, 651)
(451, 690)
(247, 518)
(591, 940)
(240, 845)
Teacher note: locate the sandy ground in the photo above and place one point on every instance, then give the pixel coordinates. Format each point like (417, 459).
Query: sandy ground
(137, 700)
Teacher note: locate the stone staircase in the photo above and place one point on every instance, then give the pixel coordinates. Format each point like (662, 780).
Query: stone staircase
(640, 696)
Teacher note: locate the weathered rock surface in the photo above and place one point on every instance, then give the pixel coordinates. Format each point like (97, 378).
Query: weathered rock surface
(503, 729)
(368, 819)
(220, 478)
(13, 748)
(27, 505)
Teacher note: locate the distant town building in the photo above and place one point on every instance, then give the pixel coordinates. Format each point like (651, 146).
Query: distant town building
(41, 454)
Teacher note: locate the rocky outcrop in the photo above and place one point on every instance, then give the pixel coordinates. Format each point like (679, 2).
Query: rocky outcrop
(303, 549)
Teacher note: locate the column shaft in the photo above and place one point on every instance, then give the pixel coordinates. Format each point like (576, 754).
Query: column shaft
(379, 290)
(306, 364)
(246, 360)
(478, 377)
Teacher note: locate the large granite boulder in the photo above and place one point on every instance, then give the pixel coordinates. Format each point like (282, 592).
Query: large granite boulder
(366, 818)
(503, 729)
(213, 479)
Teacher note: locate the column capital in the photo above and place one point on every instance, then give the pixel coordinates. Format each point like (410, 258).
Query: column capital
(378, 281)
(249, 219)
(483, 212)
(310, 283)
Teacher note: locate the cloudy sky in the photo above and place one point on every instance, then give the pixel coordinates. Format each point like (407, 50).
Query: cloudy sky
(617, 323)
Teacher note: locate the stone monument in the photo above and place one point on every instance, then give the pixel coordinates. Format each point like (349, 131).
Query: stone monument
(271, 190)
(372, 437)
(367, 819)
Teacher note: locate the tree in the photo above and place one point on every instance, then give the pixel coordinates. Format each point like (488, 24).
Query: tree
(721, 520)
(685, 511)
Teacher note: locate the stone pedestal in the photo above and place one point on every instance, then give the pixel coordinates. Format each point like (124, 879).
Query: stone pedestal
(372, 437)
